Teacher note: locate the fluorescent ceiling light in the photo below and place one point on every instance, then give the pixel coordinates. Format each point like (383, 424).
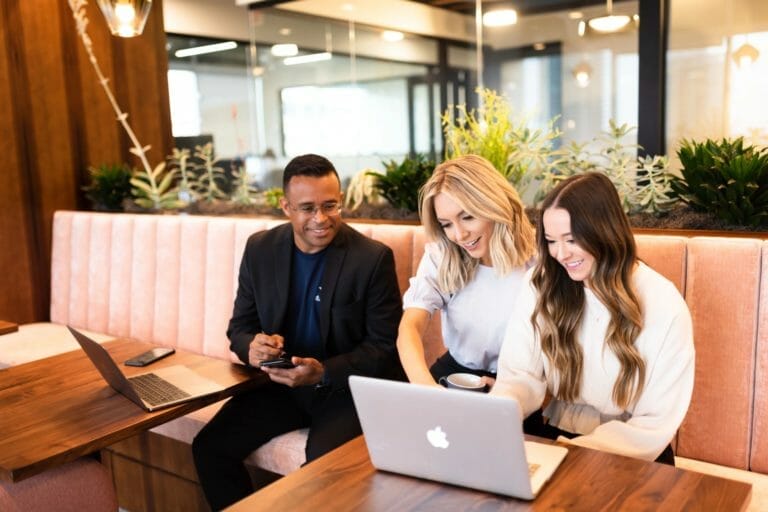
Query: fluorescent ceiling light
(500, 18)
(208, 48)
(284, 50)
(392, 36)
(304, 59)
(610, 23)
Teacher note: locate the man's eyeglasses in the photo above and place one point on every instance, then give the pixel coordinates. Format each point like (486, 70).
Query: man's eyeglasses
(329, 208)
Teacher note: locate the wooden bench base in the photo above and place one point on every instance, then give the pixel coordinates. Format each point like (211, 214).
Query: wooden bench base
(154, 472)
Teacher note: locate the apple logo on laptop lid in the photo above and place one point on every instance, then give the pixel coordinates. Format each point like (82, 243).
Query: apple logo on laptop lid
(437, 437)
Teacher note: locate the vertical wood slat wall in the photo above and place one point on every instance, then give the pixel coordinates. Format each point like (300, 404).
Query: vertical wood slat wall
(56, 121)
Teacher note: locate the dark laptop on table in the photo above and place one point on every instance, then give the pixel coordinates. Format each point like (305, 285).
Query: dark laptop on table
(163, 387)
(457, 437)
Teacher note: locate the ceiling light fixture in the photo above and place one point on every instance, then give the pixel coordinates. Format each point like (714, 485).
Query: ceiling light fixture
(392, 36)
(583, 74)
(745, 55)
(310, 57)
(208, 48)
(284, 50)
(126, 18)
(610, 22)
(500, 18)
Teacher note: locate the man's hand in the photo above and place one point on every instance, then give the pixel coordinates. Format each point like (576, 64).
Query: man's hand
(308, 371)
(263, 347)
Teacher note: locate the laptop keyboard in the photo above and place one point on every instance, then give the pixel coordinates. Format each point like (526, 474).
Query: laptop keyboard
(155, 391)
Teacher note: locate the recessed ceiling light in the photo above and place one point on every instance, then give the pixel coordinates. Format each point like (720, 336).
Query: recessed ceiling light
(500, 18)
(285, 31)
(284, 50)
(392, 36)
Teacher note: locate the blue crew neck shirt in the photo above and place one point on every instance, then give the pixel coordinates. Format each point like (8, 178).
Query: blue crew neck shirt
(302, 322)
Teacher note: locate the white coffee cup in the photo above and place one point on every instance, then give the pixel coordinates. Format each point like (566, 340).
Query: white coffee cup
(465, 381)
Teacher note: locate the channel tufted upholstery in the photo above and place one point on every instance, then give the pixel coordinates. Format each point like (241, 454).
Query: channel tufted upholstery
(171, 280)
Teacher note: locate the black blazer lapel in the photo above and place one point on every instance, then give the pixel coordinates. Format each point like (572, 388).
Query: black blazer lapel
(337, 251)
(282, 257)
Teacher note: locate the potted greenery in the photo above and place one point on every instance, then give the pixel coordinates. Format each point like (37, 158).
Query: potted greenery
(725, 178)
(110, 185)
(401, 183)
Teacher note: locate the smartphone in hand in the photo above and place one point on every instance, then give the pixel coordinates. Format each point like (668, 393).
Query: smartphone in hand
(278, 362)
(150, 356)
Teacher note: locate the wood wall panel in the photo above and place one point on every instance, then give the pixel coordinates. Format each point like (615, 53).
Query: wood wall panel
(16, 239)
(56, 122)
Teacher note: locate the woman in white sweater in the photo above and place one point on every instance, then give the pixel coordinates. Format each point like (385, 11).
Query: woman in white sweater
(481, 242)
(609, 338)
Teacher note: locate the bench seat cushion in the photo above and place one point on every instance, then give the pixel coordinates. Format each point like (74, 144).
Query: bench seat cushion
(39, 340)
(281, 455)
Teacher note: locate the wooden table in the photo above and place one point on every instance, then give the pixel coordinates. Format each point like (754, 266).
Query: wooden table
(57, 409)
(6, 327)
(587, 480)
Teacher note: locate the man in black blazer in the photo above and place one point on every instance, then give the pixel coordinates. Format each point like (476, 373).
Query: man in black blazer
(320, 294)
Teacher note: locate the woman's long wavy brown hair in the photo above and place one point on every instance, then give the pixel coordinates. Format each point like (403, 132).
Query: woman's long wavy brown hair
(482, 192)
(600, 227)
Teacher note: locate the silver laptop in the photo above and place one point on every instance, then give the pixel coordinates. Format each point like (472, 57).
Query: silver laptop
(163, 387)
(453, 436)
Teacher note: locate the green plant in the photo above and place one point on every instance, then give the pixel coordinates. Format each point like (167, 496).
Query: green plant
(726, 179)
(520, 154)
(643, 184)
(187, 183)
(401, 183)
(242, 191)
(155, 189)
(362, 189)
(272, 197)
(210, 175)
(109, 186)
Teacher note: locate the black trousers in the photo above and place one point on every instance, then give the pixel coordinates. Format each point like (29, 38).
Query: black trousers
(251, 419)
(535, 425)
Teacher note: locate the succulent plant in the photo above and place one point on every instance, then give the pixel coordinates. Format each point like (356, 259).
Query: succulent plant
(210, 175)
(155, 189)
(242, 191)
(726, 179)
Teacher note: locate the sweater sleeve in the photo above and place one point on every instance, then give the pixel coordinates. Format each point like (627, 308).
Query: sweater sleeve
(663, 403)
(521, 365)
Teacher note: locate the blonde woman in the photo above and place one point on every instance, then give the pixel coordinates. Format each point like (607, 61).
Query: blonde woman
(480, 244)
(608, 337)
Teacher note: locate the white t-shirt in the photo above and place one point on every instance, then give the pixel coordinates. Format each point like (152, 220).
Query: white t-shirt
(665, 343)
(473, 319)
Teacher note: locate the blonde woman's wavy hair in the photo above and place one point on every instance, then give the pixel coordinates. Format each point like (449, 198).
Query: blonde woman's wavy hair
(482, 192)
(600, 227)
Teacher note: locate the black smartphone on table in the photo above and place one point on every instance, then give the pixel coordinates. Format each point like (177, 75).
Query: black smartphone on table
(150, 356)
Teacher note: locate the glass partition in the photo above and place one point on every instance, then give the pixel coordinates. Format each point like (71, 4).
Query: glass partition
(717, 71)
(361, 94)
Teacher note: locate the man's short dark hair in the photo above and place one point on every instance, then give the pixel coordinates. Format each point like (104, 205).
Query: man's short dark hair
(312, 165)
